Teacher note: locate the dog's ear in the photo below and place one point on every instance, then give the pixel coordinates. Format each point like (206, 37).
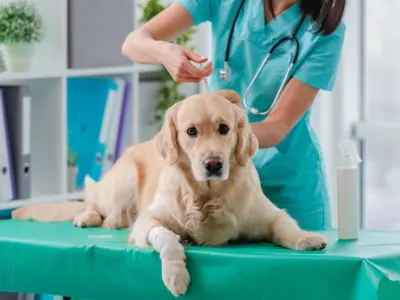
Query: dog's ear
(166, 140)
(247, 143)
(230, 95)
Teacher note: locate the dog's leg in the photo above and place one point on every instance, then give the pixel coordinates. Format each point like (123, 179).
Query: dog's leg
(285, 232)
(88, 218)
(117, 220)
(148, 231)
(266, 222)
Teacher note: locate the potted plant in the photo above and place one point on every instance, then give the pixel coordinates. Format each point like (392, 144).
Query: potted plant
(72, 170)
(21, 26)
(169, 90)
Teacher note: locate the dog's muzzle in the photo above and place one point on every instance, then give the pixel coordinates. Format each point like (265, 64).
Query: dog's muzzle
(213, 166)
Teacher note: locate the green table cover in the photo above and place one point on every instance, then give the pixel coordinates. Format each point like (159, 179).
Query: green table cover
(62, 260)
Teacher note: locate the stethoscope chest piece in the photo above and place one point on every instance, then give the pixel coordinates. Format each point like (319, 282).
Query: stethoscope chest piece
(225, 73)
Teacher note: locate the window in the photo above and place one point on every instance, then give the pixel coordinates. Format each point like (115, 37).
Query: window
(380, 129)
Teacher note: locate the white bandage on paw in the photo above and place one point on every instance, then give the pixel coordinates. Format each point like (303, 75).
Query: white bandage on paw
(174, 273)
(166, 243)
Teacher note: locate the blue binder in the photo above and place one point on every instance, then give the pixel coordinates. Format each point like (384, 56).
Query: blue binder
(108, 138)
(87, 101)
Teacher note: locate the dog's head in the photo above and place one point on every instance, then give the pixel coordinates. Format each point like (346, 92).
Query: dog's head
(208, 132)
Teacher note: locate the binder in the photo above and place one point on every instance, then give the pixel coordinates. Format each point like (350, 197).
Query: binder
(17, 103)
(122, 131)
(105, 149)
(88, 106)
(7, 183)
(112, 137)
(98, 162)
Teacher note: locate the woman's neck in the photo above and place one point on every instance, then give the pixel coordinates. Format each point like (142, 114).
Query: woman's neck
(279, 6)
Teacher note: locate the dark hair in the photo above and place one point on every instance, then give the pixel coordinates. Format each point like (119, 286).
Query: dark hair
(326, 14)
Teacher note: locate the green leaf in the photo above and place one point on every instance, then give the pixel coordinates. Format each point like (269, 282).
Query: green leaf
(20, 22)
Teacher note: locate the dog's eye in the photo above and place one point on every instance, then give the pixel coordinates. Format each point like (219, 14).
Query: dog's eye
(192, 131)
(223, 129)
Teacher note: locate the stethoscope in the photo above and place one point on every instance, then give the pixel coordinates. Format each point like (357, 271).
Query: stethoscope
(225, 73)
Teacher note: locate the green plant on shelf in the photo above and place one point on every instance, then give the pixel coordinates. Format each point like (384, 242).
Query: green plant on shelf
(168, 92)
(20, 23)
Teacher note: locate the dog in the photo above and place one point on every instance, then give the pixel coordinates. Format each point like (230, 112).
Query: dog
(195, 181)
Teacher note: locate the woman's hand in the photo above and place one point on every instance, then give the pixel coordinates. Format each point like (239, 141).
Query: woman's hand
(177, 60)
(151, 44)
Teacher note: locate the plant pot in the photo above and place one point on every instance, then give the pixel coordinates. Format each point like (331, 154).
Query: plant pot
(71, 178)
(3, 64)
(19, 56)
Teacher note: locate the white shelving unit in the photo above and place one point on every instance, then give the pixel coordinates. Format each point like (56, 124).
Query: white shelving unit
(47, 82)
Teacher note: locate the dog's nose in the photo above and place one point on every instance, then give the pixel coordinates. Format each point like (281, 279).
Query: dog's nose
(213, 165)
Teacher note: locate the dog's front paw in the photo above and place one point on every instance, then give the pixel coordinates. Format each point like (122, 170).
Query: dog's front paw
(311, 241)
(175, 277)
(88, 219)
(113, 223)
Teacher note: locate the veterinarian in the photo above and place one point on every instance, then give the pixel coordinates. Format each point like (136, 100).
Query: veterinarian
(289, 162)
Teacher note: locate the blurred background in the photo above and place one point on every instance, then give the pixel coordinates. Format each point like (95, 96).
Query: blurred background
(381, 70)
(365, 106)
(70, 103)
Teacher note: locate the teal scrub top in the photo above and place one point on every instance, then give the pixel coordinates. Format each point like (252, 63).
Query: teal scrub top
(292, 173)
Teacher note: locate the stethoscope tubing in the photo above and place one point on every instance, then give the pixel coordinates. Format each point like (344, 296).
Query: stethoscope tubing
(293, 60)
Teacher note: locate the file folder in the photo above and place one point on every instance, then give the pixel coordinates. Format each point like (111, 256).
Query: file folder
(88, 111)
(17, 103)
(7, 184)
(100, 160)
(122, 132)
(112, 136)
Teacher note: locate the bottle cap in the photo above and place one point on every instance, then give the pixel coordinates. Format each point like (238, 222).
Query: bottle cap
(349, 152)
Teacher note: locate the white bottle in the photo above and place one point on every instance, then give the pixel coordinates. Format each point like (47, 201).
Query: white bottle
(348, 195)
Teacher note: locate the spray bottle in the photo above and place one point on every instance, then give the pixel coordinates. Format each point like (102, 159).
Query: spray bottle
(348, 195)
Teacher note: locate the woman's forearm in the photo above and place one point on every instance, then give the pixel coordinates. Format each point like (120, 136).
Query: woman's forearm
(150, 43)
(269, 133)
(140, 47)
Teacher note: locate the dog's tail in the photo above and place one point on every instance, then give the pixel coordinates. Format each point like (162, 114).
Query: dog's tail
(50, 212)
(58, 211)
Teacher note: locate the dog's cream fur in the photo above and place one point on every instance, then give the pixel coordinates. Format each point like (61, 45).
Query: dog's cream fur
(163, 183)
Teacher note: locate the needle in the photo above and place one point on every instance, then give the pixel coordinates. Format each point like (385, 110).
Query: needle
(205, 81)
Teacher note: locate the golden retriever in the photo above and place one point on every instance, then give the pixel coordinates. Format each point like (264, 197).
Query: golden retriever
(194, 180)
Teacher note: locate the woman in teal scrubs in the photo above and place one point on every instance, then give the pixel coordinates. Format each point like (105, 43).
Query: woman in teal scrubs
(289, 162)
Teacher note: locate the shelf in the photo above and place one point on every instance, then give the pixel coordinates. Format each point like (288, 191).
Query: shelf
(44, 199)
(31, 75)
(100, 71)
(113, 70)
(142, 69)
(35, 75)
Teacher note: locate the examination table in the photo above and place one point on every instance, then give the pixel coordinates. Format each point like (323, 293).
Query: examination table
(96, 264)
